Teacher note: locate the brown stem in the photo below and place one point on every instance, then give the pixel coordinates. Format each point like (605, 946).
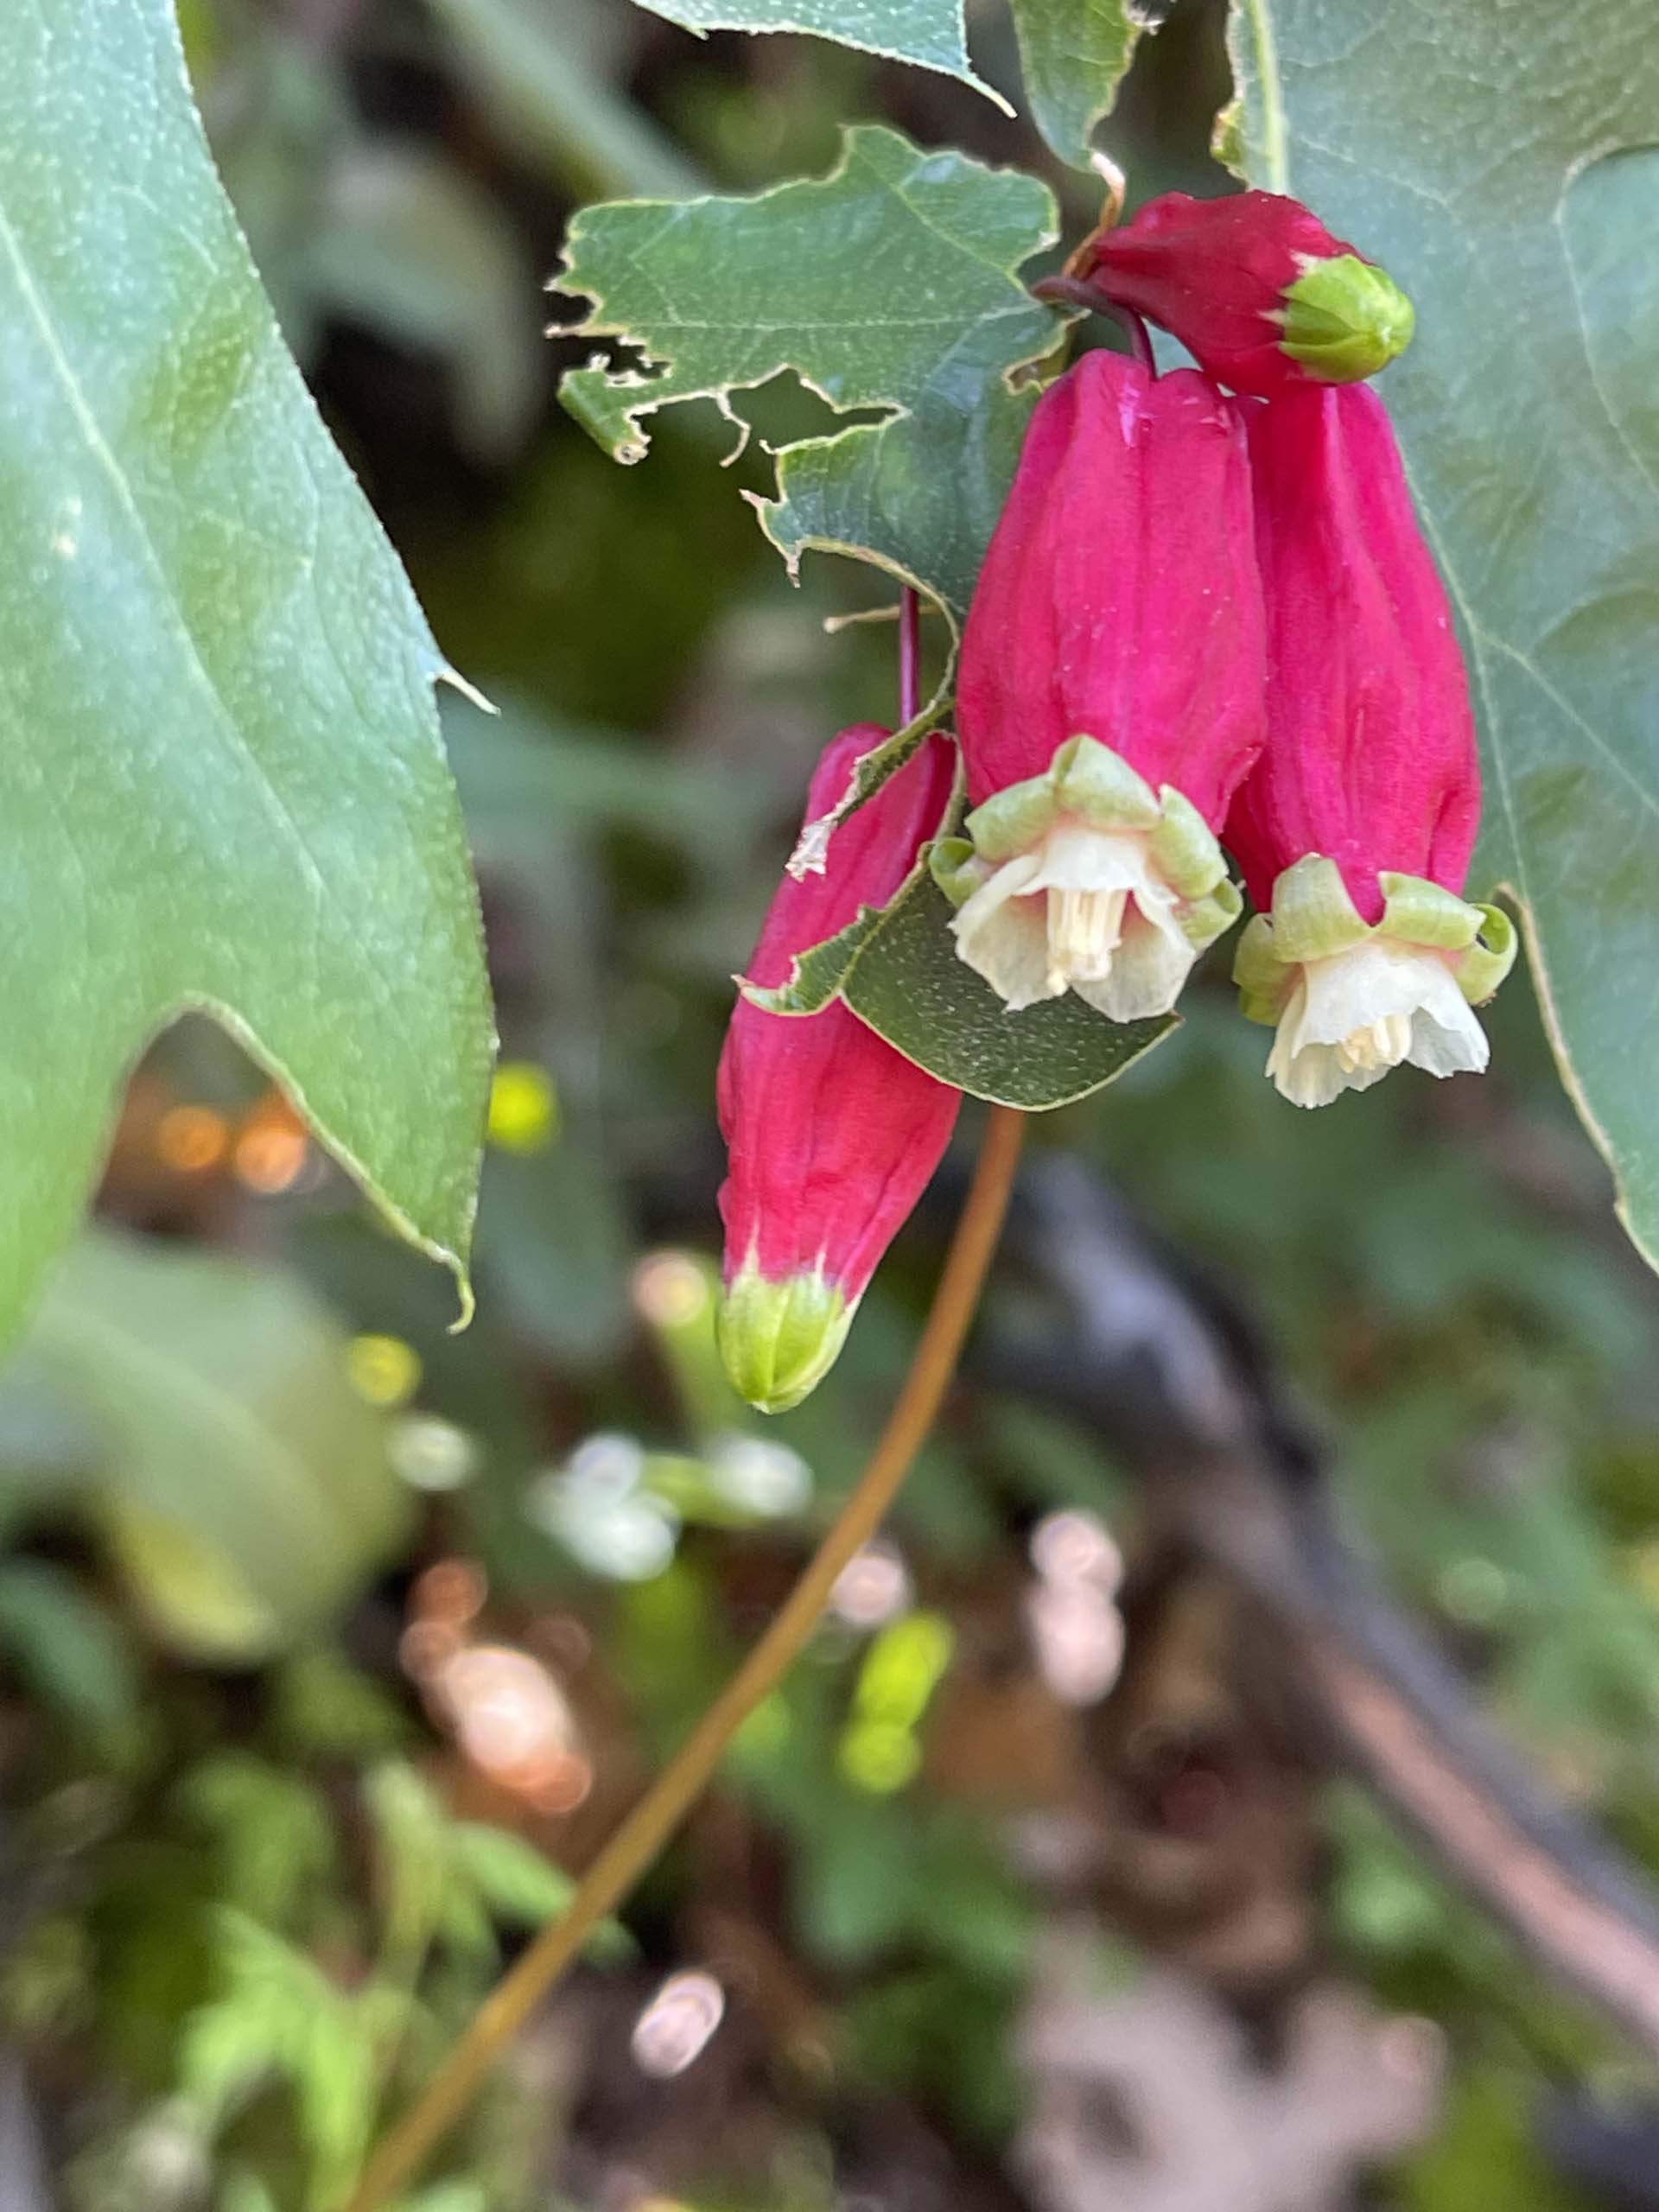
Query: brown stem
(1077, 292)
(404, 2152)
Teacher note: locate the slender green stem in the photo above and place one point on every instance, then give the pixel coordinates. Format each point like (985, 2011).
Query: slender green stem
(636, 1843)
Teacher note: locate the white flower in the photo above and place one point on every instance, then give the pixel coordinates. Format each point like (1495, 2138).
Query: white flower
(1352, 1017)
(1084, 878)
(1086, 910)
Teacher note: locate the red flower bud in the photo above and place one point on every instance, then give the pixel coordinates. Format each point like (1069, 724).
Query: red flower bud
(1355, 828)
(1256, 288)
(1111, 693)
(831, 1134)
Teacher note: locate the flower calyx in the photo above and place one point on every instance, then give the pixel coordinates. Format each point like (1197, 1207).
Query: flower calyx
(1349, 998)
(1086, 879)
(1344, 319)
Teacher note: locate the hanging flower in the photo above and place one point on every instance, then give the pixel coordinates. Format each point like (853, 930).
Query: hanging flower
(1110, 695)
(831, 1134)
(1256, 288)
(1355, 829)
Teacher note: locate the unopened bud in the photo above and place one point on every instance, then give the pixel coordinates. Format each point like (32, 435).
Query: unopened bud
(1345, 320)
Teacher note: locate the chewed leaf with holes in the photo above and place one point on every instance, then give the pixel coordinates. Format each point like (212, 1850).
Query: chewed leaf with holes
(1505, 166)
(220, 778)
(929, 33)
(889, 286)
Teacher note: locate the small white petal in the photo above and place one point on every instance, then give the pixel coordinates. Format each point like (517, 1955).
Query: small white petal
(1449, 1041)
(1354, 1016)
(1074, 857)
(1002, 934)
(1086, 910)
(1151, 964)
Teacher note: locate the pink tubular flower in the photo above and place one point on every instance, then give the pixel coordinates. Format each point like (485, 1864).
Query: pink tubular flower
(831, 1134)
(1256, 288)
(1111, 694)
(1355, 829)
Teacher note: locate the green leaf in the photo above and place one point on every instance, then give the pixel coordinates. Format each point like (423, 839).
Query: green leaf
(271, 1829)
(244, 1485)
(909, 985)
(1515, 203)
(242, 2191)
(65, 1645)
(817, 974)
(223, 785)
(889, 284)
(519, 1884)
(412, 1852)
(929, 33)
(1073, 56)
(281, 2016)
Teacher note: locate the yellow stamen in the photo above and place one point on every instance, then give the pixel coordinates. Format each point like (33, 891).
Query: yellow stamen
(1381, 1044)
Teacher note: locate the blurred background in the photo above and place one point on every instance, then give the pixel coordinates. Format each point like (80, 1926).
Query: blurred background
(1060, 1874)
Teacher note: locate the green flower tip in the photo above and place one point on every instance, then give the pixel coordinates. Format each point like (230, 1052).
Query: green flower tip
(1344, 319)
(780, 1339)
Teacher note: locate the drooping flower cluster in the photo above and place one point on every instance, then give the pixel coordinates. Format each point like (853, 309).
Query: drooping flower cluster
(1206, 618)
(1230, 598)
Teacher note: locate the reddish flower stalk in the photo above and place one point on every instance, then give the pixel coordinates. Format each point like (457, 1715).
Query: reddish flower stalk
(831, 1134)
(1256, 288)
(1355, 829)
(1111, 694)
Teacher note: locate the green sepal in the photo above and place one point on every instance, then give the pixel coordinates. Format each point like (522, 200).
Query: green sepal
(780, 1339)
(1203, 920)
(1344, 319)
(1012, 821)
(1185, 849)
(1099, 787)
(1264, 980)
(1417, 911)
(1314, 917)
(1490, 958)
(1313, 914)
(955, 867)
(1085, 779)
